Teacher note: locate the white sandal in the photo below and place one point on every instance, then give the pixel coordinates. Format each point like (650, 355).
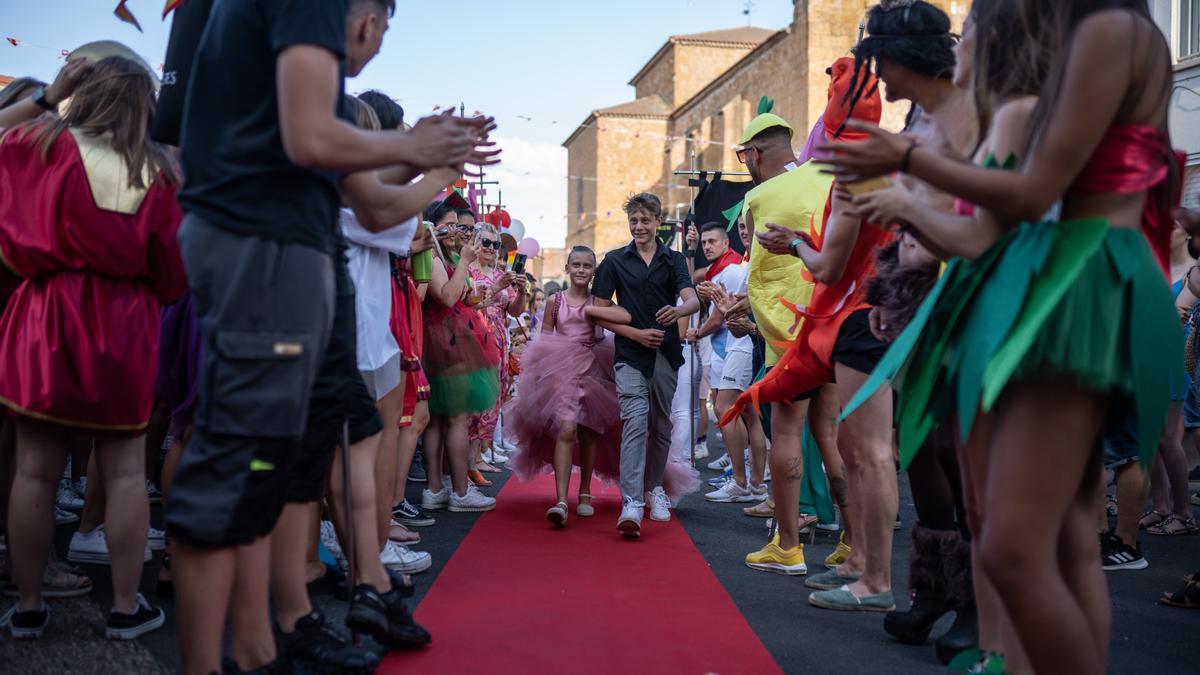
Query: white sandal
(585, 510)
(557, 514)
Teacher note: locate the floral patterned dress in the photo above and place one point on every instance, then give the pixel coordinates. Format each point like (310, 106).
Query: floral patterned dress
(483, 425)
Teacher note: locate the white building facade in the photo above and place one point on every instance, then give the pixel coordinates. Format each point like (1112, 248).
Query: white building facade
(1180, 22)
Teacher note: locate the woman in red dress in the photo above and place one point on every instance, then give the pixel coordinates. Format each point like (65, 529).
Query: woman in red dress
(87, 222)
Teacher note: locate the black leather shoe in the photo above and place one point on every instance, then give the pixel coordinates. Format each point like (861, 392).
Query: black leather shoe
(912, 627)
(315, 647)
(384, 617)
(963, 635)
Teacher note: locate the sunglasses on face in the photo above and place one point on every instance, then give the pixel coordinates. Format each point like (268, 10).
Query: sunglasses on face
(741, 153)
(490, 243)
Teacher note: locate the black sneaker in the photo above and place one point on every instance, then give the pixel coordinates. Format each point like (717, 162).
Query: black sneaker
(153, 493)
(384, 617)
(316, 647)
(407, 513)
(129, 626)
(1117, 555)
(416, 472)
(26, 625)
(230, 667)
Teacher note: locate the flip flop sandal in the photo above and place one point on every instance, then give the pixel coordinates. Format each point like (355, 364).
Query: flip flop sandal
(1187, 597)
(1151, 518)
(486, 468)
(58, 581)
(403, 536)
(1174, 526)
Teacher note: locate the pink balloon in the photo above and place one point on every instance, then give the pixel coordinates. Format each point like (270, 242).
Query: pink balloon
(530, 247)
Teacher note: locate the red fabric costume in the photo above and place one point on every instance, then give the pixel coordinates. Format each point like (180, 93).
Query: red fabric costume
(1133, 158)
(808, 364)
(79, 335)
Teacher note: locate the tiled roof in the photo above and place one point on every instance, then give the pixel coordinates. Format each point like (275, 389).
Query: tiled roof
(746, 35)
(646, 106)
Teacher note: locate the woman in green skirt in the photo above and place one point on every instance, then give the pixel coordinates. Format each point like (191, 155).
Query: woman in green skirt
(1027, 349)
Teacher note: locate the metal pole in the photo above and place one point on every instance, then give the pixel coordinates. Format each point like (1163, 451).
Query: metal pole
(351, 556)
(694, 385)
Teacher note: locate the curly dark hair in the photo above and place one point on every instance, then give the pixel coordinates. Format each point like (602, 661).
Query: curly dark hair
(896, 291)
(912, 33)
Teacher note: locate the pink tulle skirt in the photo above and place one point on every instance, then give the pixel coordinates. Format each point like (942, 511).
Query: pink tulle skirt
(568, 382)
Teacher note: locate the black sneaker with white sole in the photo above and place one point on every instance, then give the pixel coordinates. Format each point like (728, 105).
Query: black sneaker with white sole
(144, 619)
(1117, 555)
(26, 625)
(316, 647)
(407, 513)
(384, 617)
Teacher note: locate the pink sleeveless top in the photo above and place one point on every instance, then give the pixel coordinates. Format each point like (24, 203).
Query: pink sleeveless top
(570, 321)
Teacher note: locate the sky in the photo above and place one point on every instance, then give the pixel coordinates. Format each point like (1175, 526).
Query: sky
(539, 66)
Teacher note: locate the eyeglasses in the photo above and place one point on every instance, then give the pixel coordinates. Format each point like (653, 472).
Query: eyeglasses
(741, 152)
(490, 243)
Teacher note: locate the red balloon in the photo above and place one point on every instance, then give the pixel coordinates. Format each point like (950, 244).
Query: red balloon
(499, 218)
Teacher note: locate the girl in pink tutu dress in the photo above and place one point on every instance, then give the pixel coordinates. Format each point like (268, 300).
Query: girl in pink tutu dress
(566, 412)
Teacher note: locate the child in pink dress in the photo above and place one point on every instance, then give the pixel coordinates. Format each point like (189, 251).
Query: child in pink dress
(566, 411)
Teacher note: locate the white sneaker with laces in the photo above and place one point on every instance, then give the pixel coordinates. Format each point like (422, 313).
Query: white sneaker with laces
(630, 522)
(660, 505)
(63, 517)
(92, 547)
(434, 501)
(405, 560)
(701, 451)
(66, 497)
(730, 493)
(156, 540)
(330, 541)
(721, 463)
(472, 501)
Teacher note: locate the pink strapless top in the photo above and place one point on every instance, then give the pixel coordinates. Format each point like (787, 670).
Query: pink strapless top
(570, 321)
(1135, 158)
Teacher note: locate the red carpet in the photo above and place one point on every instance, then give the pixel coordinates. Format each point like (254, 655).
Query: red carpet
(521, 597)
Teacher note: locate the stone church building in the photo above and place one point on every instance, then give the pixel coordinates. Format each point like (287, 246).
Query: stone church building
(693, 98)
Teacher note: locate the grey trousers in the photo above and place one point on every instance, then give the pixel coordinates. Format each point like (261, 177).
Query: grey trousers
(646, 425)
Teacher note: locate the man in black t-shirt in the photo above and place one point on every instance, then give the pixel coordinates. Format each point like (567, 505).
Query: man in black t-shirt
(264, 154)
(646, 278)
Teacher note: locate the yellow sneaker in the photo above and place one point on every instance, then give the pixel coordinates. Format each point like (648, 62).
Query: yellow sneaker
(772, 558)
(840, 554)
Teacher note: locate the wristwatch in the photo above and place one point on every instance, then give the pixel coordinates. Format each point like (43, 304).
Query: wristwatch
(39, 97)
(795, 242)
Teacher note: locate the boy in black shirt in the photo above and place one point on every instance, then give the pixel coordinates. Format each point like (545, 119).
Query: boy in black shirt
(646, 277)
(264, 153)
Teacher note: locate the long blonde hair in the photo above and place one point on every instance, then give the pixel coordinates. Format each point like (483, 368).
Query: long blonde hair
(116, 98)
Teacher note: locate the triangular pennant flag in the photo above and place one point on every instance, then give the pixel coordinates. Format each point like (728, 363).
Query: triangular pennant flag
(171, 5)
(731, 214)
(122, 12)
(13, 41)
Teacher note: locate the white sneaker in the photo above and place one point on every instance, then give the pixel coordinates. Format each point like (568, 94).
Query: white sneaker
(63, 517)
(660, 505)
(66, 497)
(405, 560)
(330, 541)
(156, 540)
(630, 522)
(721, 463)
(434, 501)
(472, 501)
(731, 492)
(759, 492)
(701, 451)
(92, 547)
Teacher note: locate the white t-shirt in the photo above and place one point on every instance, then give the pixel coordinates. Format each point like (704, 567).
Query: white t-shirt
(733, 280)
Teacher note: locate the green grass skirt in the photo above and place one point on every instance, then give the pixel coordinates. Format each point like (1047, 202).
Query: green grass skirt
(1075, 299)
(473, 392)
